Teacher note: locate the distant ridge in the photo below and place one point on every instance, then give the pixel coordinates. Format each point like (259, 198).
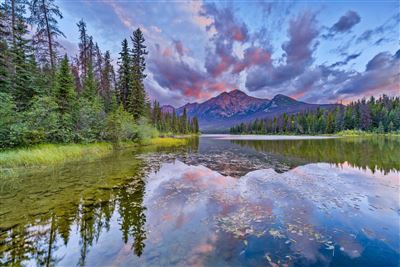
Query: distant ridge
(219, 113)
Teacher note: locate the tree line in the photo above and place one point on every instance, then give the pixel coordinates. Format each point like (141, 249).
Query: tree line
(381, 115)
(49, 97)
(171, 123)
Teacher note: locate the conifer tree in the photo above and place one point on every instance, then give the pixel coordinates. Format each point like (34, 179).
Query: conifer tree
(106, 81)
(89, 84)
(23, 63)
(83, 49)
(44, 15)
(125, 75)
(65, 89)
(137, 101)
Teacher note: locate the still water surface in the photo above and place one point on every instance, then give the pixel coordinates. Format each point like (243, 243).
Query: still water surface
(217, 202)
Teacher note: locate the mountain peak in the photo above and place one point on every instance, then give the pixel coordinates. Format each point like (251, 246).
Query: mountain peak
(283, 99)
(236, 92)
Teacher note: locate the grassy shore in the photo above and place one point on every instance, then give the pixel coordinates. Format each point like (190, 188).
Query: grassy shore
(356, 133)
(54, 154)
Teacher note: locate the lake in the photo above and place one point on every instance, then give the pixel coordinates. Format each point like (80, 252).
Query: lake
(219, 201)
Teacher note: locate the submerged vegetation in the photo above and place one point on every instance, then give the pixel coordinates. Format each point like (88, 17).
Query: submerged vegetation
(380, 116)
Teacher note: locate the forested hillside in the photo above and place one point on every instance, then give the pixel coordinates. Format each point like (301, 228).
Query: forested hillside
(380, 115)
(47, 97)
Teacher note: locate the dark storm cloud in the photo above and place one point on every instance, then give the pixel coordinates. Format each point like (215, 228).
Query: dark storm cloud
(302, 34)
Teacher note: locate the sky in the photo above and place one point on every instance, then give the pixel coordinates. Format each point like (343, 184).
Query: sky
(313, 51)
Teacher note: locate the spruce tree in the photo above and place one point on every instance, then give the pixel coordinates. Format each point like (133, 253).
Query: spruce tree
(65, 89)
(89, 84)
(106, 82)
(65, 95)
(137, 101)
(22, 84)
(125, 75)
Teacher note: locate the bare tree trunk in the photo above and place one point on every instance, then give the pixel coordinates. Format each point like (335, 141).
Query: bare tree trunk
(13, 20)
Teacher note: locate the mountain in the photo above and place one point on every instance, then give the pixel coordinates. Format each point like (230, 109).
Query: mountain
(220, 113)
(167, 109)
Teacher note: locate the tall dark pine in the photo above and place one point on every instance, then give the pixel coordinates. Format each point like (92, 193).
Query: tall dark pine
(137, 101)
(125, 75)
(44, 15)
(65, 95)
(23, 65)
(5, 82)
(106, 81)
(83, 49)
(65, 88)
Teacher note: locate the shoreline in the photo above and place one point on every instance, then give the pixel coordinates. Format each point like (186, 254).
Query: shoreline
(44, 155)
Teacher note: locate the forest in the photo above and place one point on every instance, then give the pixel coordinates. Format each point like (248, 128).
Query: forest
(381, 115)
(48, 97)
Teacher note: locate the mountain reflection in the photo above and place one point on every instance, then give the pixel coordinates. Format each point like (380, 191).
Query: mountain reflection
(381, 154)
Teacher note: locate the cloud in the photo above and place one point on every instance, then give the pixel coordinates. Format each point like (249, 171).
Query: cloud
(298, 50)
(253, 56)
(347, 60)
(382, 74)
(346, 22)
(228, 30)
(179, 48)
(343, 25)
(391, 24)
(177, 74)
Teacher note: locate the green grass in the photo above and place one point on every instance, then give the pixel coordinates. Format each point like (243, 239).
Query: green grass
(51, 154)
(166, 141)
(364, 133)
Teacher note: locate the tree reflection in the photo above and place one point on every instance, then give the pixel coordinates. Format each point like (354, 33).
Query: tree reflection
(373, 153)
(132, 214)
(36, 238)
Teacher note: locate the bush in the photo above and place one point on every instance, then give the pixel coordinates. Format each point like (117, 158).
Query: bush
(146, 131)
(90, 120)
(120, 127)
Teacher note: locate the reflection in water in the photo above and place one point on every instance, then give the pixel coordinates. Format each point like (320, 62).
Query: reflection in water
(37, 216)
(374, 153)
(176, 207)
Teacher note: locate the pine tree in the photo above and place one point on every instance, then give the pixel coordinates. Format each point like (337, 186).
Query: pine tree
(83, 49)
(137, 101)
(89, 84)
(196, 125)
(65, 95)
(125, 75)
(44, 15)
(65, 88)
(5, 79)
(106, 82)
(23, 63)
